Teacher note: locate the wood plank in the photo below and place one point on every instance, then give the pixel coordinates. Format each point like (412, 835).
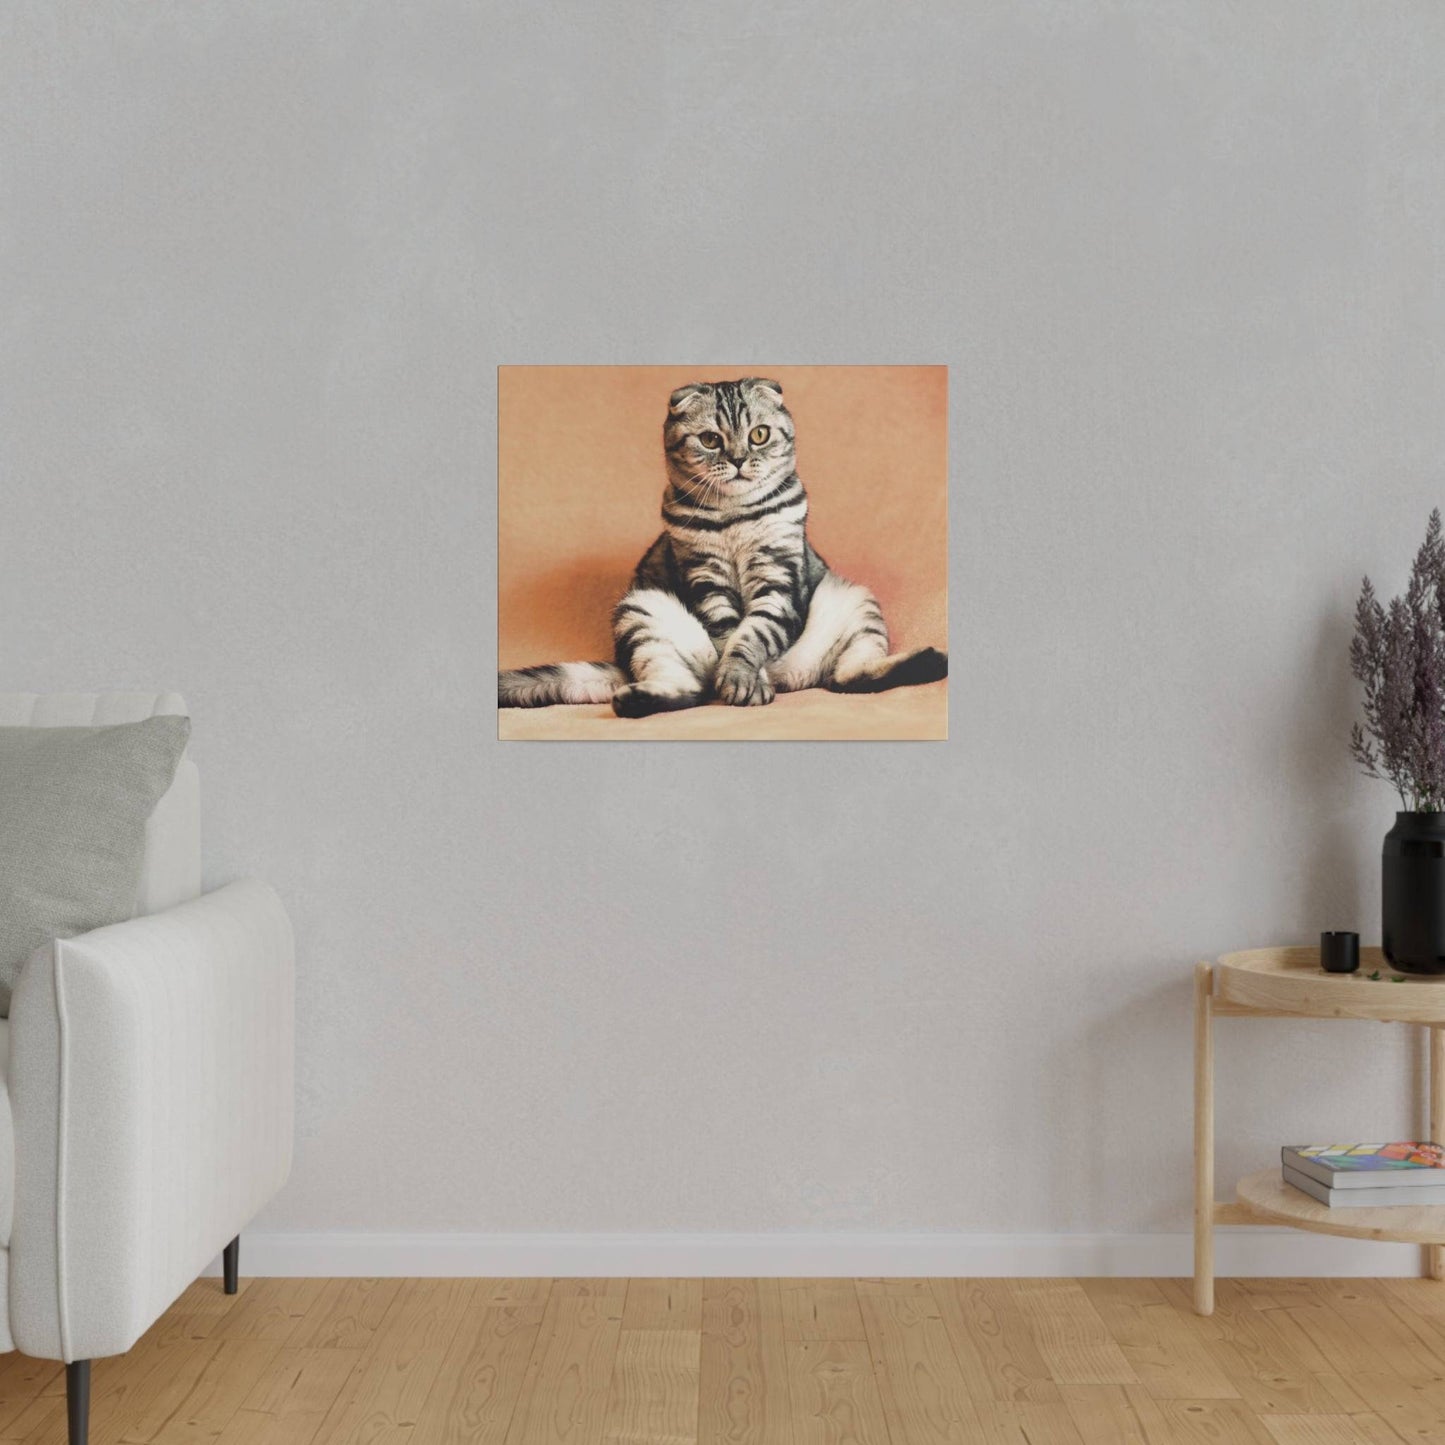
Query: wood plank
(1413, 1408)
(654, 1393)
(1420, 1296)
(1071, 1338)
(1269, 1377)
(1338, 1347)
(1028, 1422)
(1276, 1293)
(1422, 1310)
(288, 1403)
(1211, 1422)
(23, 1380)
(1114, 1414)
(134, 1402)
(390, 1384)
(173, 1329)
(513, 1291)
(218, 1393)
(207, 1296)
(44, 1421)
(42, 1414)
(820, 1309)
(925, 1398)
(476, 1391)
(915, 1288)
(1281, 1324)
(995, 1347)
(1170, 1356)
(1346, 1400)
(566, 1392)
(663, 1304)
(834, 1394)
(346, 1315)
(265, 1309)
(591, 1288)
(1411, 1346)
(1330, 1430)
(202, 1302)
(743, 1376)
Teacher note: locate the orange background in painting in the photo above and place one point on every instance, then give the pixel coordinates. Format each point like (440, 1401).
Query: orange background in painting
(581, 476)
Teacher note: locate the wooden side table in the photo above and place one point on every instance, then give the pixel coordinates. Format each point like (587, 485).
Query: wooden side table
(1289, 983)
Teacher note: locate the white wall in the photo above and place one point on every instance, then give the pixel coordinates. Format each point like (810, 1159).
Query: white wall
(1184, 261)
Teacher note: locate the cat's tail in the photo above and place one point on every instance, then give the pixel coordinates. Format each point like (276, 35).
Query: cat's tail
(555, 682)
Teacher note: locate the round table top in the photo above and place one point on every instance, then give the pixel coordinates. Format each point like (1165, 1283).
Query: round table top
(1291, 981)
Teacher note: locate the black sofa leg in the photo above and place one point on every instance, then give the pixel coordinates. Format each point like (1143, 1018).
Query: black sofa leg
(77, 1400)
(231, 1264)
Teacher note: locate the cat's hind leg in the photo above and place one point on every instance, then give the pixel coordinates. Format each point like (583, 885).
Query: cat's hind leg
(832, 614)
(844, 646)
(665, 650)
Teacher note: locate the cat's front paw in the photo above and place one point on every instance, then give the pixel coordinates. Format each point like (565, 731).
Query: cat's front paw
(740, 685)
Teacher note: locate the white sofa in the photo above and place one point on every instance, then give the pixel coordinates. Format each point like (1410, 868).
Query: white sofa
(148, 1081)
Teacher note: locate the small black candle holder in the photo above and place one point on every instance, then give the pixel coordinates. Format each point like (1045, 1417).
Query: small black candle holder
(1340, 952)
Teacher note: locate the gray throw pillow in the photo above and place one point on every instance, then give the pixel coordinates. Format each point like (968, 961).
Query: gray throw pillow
(73, 809)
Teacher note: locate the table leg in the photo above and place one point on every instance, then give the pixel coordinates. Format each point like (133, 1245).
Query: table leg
(1434, 1253)
(1204, 1139)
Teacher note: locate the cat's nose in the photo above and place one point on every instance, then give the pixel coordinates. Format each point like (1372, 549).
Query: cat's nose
(738, 462)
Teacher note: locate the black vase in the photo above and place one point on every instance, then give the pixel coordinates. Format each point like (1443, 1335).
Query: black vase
(1414, 893)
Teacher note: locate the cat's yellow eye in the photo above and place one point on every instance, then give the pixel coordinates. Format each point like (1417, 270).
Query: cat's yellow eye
(710, 439)
(759, 435)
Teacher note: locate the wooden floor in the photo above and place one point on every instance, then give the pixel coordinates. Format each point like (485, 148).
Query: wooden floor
(765, 1362)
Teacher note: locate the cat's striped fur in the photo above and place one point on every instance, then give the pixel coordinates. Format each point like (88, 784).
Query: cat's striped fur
(731, 601)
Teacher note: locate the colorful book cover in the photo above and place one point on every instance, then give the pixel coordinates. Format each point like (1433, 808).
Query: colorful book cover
(1361, 1158)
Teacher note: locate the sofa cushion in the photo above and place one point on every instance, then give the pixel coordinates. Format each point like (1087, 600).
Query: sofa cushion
(74, 802)
(171, 872)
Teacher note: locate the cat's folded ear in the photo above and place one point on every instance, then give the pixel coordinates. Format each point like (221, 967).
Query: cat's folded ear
(773, 386)
(679, 400)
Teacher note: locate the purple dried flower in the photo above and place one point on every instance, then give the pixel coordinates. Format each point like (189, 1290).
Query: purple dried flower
(1398, 654)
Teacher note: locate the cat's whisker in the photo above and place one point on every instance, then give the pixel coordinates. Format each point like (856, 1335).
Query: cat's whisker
(709, 491)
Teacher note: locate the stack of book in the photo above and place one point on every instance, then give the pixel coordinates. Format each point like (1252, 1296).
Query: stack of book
(1367, 1176)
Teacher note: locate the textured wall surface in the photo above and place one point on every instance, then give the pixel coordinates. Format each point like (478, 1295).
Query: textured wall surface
(1183, 260)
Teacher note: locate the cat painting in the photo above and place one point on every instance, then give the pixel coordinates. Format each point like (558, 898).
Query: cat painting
(731, 603)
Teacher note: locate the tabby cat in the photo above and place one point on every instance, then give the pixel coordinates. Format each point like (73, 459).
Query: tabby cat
(731, 601)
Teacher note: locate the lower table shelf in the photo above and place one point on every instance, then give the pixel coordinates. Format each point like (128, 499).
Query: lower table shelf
(1266, 1196)
(1288, 983)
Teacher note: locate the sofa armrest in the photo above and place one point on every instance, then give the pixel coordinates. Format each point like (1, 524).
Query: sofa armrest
(151, 1081)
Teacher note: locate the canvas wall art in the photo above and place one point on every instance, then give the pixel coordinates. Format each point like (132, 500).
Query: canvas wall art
(748, 552)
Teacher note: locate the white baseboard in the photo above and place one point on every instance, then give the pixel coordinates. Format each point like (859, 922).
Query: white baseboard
(1243, 1252)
